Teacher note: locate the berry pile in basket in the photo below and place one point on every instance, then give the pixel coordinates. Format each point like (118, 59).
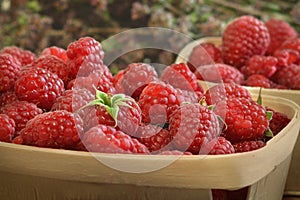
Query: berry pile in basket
(252, 53)
(69, 99)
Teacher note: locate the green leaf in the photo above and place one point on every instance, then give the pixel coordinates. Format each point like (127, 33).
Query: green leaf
(259, 98)
(113, 111)
(269, 115)
(269, 133)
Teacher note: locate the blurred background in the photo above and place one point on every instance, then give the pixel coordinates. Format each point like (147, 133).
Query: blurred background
(34, 25)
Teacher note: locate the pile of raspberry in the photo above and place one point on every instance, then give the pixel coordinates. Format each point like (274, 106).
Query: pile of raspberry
(252, 53)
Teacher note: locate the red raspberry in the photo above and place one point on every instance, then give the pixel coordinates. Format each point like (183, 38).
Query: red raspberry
(106, 139)
(135, 78)
(9, 70)
(219, 73)
(39, 86)
(84, 56)
(153, 137)
(56, 51)
(257, 64)
(192, 126)
(245, 119)
(157, 102)
(244, 37)
(257, 80)
(245, 146)
(57, 129)
(103, 80)
(7, 128)
(218, 146)
(225, 91)
(25, 57)
(286, 57)
(291, 44)
(21, 112)
(278, 122)
(188, 96)
(288, 76)
(7, 97)
(117, 78)
(174, 152)
(180, 76)
(54, 65)
(204, 54)
(279, 32)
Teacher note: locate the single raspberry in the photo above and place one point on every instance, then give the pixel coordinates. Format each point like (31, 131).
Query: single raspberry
(279, 31)
(39, 86)
(225, 91)
(84, 56)
(21, 112)
(245, 146)
(288, 76)
(181, 77)
(244, 37)
(218, 146)
(292, 44)
(106, 139)
(9, 70)
(258, 64)
(57, 129)
(245, 119)
(204, 54)
(188, 96)
(175, 152)
(117, 78)
(218, 73)
(56, 51)
(286, 57)
(25, 57)
(278, 122)
(192, 126)
(153, 137)
(7, 128)
(157, 101)
(7, 97)
(54, 65)
(135, 78)
(257, 80)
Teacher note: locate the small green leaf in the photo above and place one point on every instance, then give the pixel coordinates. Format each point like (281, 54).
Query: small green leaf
(259, 98)
(269, 133)
(269, 115)
(113, 111)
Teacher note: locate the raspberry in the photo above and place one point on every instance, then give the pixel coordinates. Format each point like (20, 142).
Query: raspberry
(245, 119)
(57, 52)
(219, 73)
(188, 96)
(117, 78)
(135, 78)
(244, 37)
(7, 97)
(286, 57)
(39, 86)
(257, 64)
(9, 70)
(153, 137)
(192, 126)
(291, 44)
(57, 129)
(288, 76)
(25, 57)
(279, 31)
(225, 91)
(157, 101)
(257, 80)
(7, 128)
(21, 112)
(204, 54)
(218, 146)
(278, 122)
(245, 146)
(106, 139)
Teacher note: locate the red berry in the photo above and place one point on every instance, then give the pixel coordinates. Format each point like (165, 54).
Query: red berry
(218, 146)
(56, 51)
(188, 96)
(25, 57)
(7, 97)
(291, 44)
(174, 152)
(245, 146)
(244, 37)
(288, 76)
(192, 126)
(39, 86)
(257, 80)
(7, 128)
(278, 122)
(286, 57)
(57, 129)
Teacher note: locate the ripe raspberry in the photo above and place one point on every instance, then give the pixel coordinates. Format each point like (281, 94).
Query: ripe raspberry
(218, 146)
(180, 76)
(245, 119)
(245, 146)
(39, 86)
(7, 97)
(225, 91)
(117, 78)
(57, 52)
(291, 44)
(57, 129)
(288, 76)
(157, 101)
(25, 57)
(84, 56)
(257, 80)
(153, 137)
(278, 122)
(219, 73)
(286, 57)
(7, 128)
(204, 54)
(135, 78)
(106, 139)
(21, 112)
(174, 152)
(257, 64)
(9, 70)
(102, 79)
(185, 96)
(244, 37)
(279, 31)
(192, 126)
